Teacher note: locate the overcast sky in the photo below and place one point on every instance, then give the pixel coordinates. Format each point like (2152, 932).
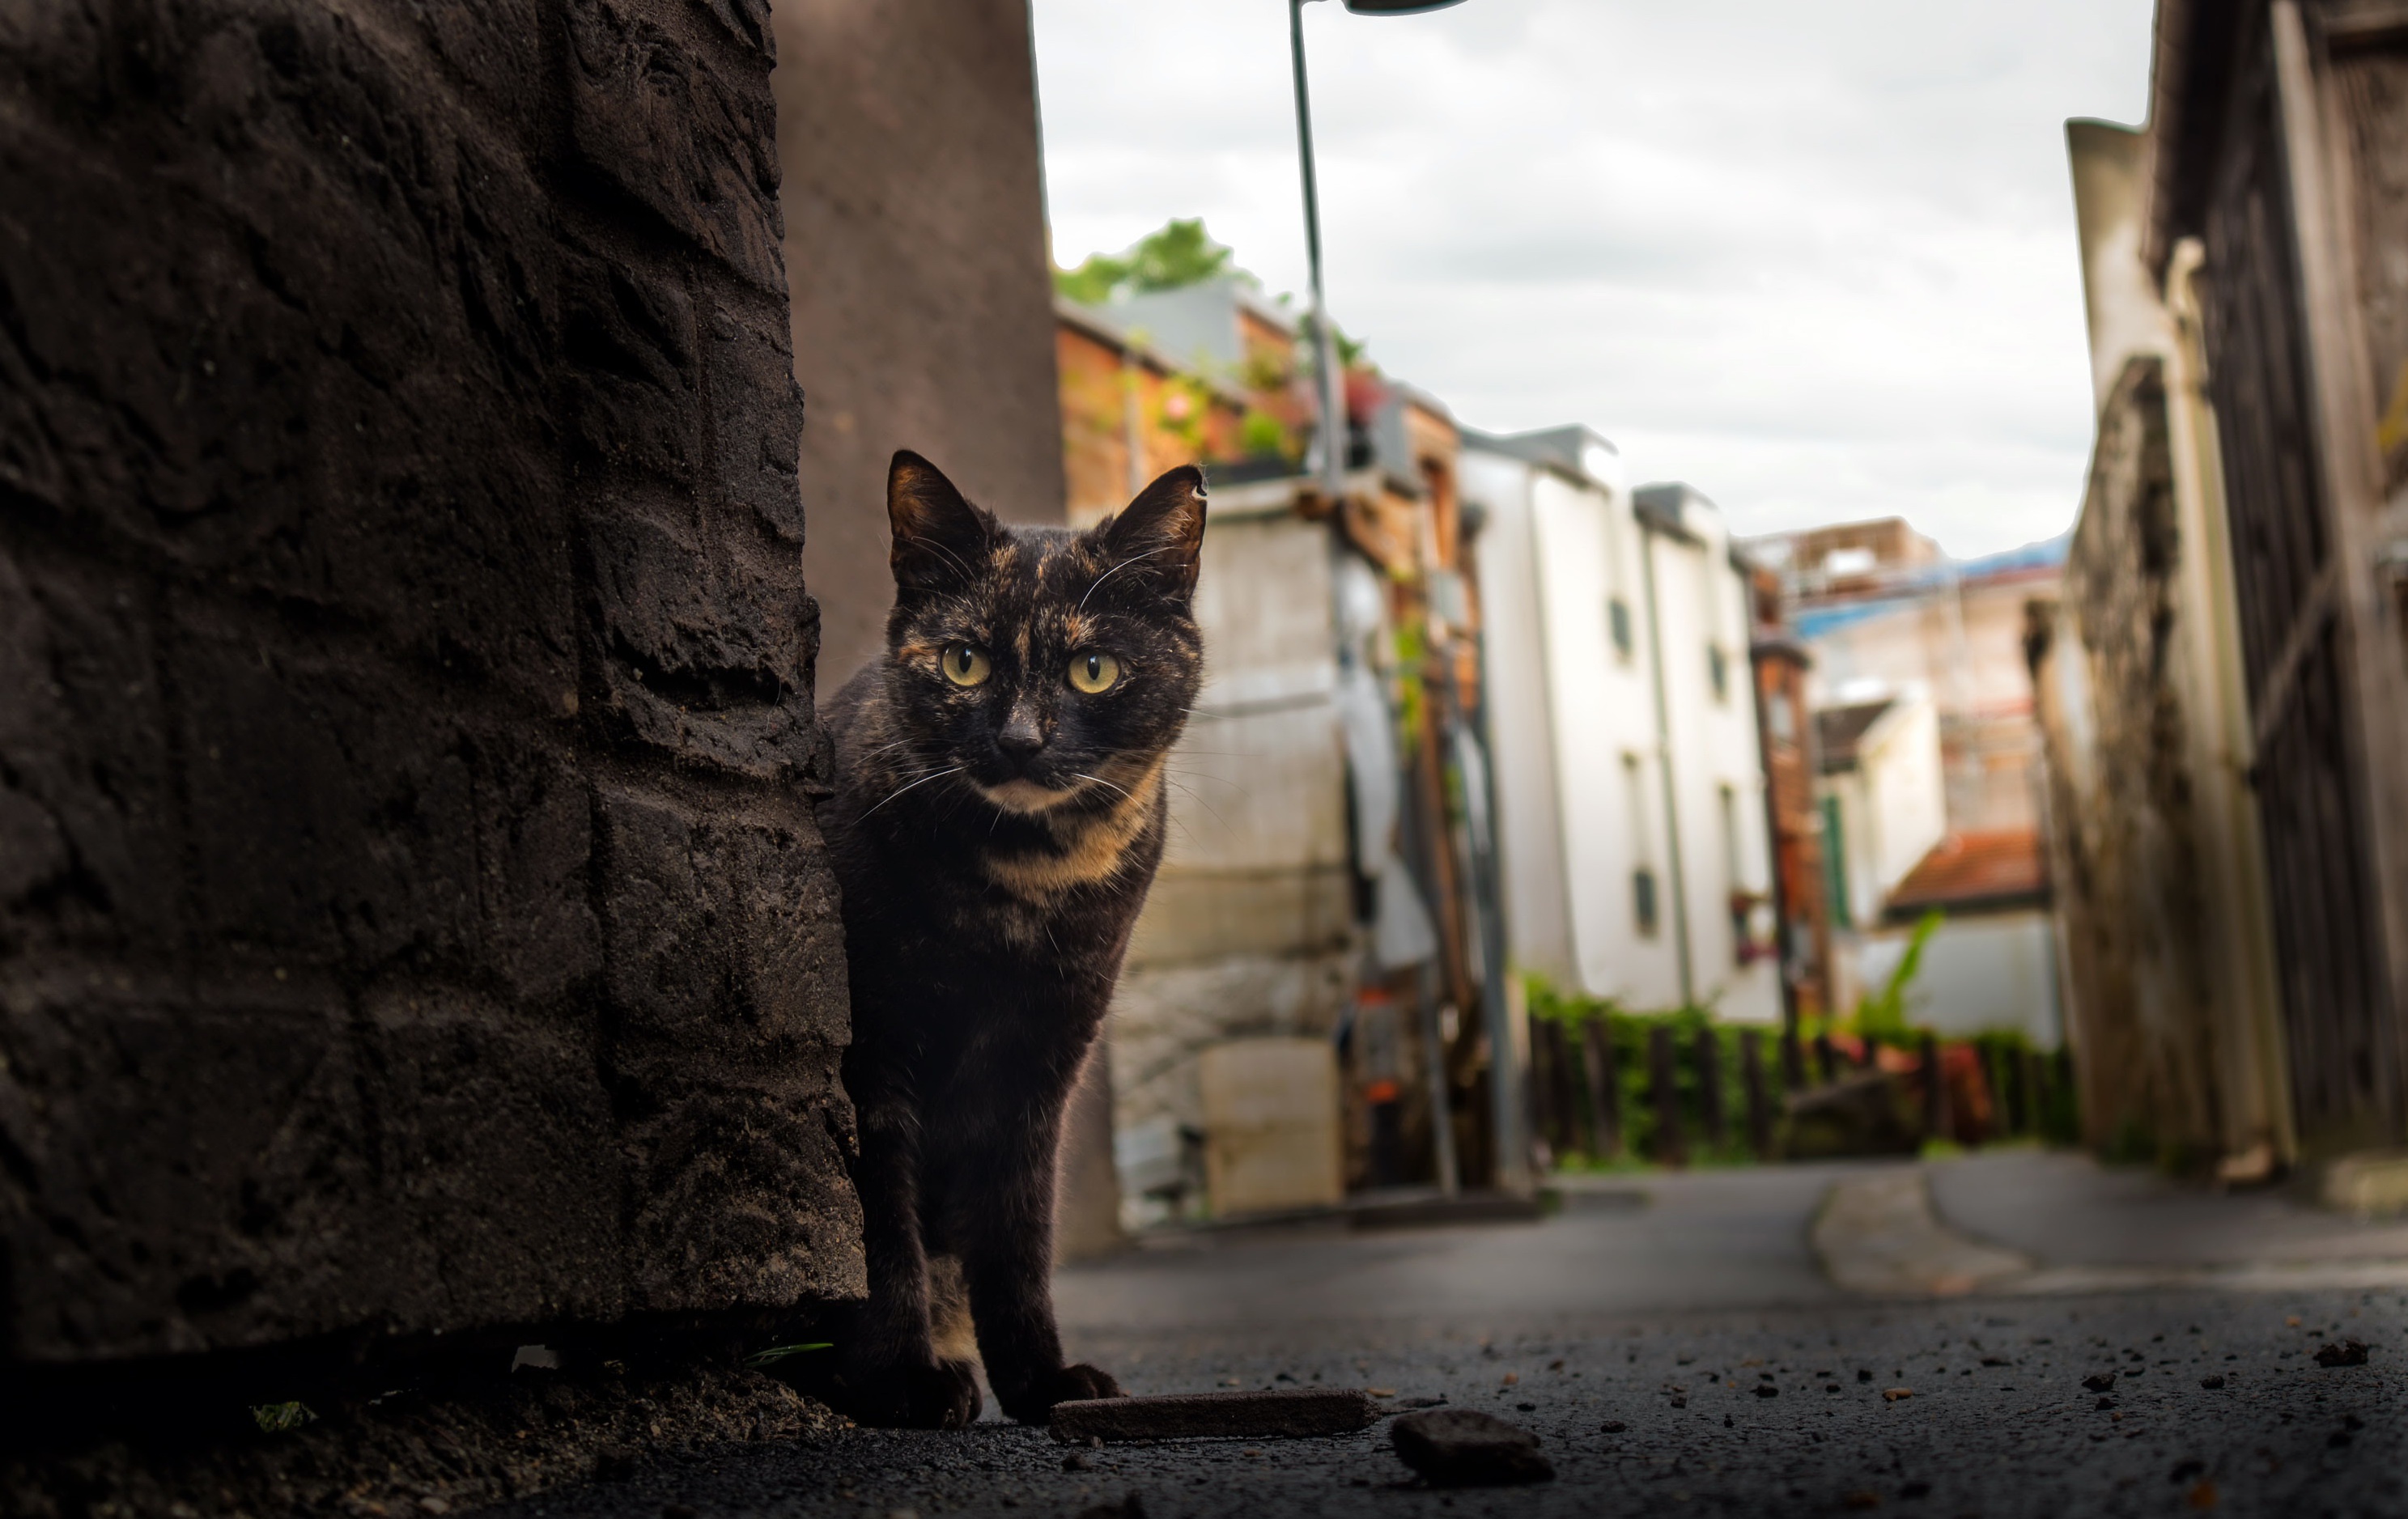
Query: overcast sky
(1815, 259)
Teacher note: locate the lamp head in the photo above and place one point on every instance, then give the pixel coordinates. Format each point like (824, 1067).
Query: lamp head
(1396, 7)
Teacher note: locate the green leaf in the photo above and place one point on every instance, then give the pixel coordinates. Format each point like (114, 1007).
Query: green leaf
(281, 1418)
(778, 1352)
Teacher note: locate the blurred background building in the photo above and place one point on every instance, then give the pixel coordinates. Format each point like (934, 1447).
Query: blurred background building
(1302, 1012)
(1927, 759)
(2223, 684)
(1632, 788)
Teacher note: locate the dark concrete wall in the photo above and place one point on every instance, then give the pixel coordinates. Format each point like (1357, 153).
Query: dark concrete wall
(411, 916)
(923, 314)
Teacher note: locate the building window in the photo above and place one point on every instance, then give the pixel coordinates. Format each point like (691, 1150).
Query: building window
(1718, 671)
(1781, 716)
(1617, 621)
(1642, 870)
(1744, 950)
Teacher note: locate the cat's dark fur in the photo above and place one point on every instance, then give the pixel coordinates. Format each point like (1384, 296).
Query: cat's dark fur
(994, 843)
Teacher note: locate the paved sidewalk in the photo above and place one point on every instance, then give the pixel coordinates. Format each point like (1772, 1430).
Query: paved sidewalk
(2032, 1224)
(2066, 1209)
(1733, 1239)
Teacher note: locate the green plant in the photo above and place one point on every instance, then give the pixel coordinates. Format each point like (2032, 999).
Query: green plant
(775, 1353)
(1411, 647)
(281, 1418)
(1629, 1035)
(1882, 1014)
(1173, 256)
(1261, 432)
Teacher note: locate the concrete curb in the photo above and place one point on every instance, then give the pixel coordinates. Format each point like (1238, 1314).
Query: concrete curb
(1879, 1236)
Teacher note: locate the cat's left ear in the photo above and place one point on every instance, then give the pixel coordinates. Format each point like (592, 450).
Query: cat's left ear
(1160, 535)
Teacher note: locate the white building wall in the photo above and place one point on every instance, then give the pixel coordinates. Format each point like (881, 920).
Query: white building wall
(1600, 702)
(1701, 610)
(1893, 805)
(1992, 973)
(1532, 845)
(1905, 792)
(1248, 928)
(1579, 763)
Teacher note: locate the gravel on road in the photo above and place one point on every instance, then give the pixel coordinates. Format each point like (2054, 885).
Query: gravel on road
(2219, 1405)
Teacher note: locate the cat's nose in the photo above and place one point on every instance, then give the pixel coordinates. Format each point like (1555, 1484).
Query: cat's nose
(1020, 740)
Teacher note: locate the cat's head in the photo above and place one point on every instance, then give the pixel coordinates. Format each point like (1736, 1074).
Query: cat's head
(1048, 664)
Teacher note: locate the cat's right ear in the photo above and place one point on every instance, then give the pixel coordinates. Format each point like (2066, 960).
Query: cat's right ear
(942, 541)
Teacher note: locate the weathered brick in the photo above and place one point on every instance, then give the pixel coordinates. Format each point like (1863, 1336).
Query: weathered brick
(726, 956)
(502, 1195)
(703, 659)
(695, 145)
(759, 424)
(725, 943)
(154, 1131)
(87, 846)
(635, 391)
(397, 532)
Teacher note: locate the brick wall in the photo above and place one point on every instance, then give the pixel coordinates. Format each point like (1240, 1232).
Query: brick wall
(410, 917)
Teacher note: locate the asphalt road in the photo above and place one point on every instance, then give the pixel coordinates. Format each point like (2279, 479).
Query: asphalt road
(1667, 1318)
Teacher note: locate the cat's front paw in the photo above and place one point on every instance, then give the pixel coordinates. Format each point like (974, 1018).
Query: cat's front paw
(1034, 1404)
(941, 1397)
(1076, 1384)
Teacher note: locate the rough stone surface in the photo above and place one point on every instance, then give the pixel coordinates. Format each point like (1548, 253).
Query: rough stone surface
(1281, 1414)
(411, 916)
(1467, 1448)
(437, 1449)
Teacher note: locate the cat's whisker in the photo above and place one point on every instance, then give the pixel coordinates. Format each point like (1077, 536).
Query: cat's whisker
(898, 791)
(1200, 802)
(1102, 781)
(1117, 568)
(1217, 779)
(932, 543)
(1202, 775)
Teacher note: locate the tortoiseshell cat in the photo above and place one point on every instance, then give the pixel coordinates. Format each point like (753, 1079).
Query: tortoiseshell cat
(998, 817)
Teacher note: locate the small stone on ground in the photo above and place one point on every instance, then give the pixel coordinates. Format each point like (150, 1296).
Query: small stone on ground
(1467, 1448)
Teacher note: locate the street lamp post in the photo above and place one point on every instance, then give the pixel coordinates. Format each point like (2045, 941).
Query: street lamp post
(1333, 383)
(1512, 1172)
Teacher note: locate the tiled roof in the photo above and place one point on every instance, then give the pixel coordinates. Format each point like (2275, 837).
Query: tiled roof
(1971, 872)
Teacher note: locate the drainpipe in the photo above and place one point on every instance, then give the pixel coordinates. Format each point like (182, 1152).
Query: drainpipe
(1679, 890)
(1508, 1081)
(1785, 965)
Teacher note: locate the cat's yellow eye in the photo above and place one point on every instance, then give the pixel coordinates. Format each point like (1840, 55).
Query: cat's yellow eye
(966, 664)
(1093, 672)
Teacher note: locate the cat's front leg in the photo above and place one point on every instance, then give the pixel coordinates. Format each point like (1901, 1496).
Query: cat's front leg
(892, 1375)
(1008, 1264)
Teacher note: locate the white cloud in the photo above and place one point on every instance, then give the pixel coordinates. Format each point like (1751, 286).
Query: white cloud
(1816, 259)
